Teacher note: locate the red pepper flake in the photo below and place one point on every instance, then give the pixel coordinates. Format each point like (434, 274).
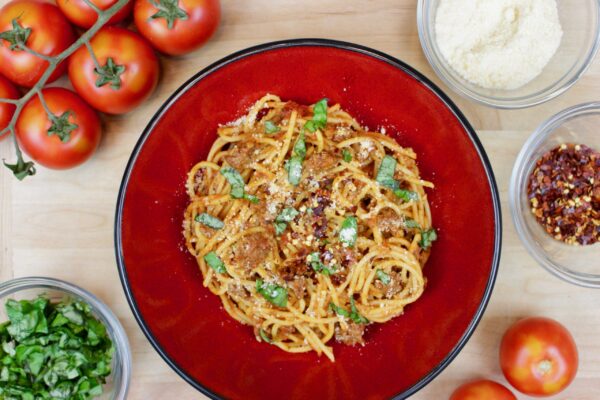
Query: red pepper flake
(564, 193)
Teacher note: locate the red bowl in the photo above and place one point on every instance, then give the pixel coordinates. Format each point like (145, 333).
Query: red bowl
(186, 323)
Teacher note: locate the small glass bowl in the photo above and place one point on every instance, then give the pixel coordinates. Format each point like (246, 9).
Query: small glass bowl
(574, 264)
(117, 384)
(580, 42)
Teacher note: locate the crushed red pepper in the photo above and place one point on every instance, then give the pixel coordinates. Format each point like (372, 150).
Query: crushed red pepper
(564, 193)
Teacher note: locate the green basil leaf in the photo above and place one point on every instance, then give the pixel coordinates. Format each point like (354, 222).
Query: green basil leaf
(294, 170)
(264, 336)
(287, 215)
(354, 315)
(273, 293)
(280, 227)
(383, 277)
(406, 195)
(210, 221)
(251, 198)
(271, 128)
(235, 180)
(349, 231)
(385, 174)
(427, 238)
(411, 224)
(300, 146)
(213, 261)
(347, 156)
(339, 310)
(316, 264)
(319, 119)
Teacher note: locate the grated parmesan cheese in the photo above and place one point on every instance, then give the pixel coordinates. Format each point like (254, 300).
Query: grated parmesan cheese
(498, 44)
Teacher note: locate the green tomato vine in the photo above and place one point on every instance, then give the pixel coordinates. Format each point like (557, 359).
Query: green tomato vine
(60, 125)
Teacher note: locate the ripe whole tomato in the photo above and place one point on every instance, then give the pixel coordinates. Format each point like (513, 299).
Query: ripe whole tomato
(538, 356)
(7, 91)
(41, 27)
(128, 75)
(177, 27)
(482, 390)
(84, 16)
(67, 141)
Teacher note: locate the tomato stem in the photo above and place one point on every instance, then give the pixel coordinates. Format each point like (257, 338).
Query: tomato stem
(169, 10)
(109, 73)
(17, 37)
(61, 126)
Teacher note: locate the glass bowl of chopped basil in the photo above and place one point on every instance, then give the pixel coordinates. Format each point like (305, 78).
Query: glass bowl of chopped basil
(58, 341)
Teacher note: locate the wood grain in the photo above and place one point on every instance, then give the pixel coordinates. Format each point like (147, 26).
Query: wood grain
(60, 224)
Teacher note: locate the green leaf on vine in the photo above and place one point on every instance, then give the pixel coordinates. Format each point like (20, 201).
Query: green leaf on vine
(62, 127)
(21, 169)
(169, 10)
(109, 73)
(17, 36)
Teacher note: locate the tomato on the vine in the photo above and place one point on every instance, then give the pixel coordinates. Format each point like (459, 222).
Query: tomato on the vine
(39, 26)
(84, 16)
(482, 390)
(538, 356)
(177, 27)
(127, 75)
(7, 91)
(62, 141)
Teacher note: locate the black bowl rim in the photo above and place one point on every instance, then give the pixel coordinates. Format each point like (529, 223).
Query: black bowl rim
(318, 43)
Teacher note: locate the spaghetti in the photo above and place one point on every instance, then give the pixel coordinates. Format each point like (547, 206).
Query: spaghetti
(307, 226)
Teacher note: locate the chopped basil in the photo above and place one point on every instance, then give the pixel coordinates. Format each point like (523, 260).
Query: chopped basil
(210, 221)
(385, 175)
(314, 260)
(319, 120)
(383, 277)
(273, 293)
(251, 198)
(349, 231)
(295, 170)
(271, 128)
(427, 238)
(264, 336)
(294, 164)
(354, 315)
(411, 224)
(287, 215)
(213, 261)
(347, 155)
(339, 310)
(236, 181)
(53, 351)
(406, 195)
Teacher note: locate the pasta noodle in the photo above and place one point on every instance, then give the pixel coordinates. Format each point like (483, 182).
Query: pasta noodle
(308, 226)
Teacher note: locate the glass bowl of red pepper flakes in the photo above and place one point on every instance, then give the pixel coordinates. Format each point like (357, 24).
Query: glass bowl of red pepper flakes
(554, 195)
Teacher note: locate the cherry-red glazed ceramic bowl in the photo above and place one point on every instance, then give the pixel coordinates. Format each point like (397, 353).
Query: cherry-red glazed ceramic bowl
(186, 323)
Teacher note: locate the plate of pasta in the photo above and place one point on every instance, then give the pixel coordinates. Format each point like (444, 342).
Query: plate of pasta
(308, 219)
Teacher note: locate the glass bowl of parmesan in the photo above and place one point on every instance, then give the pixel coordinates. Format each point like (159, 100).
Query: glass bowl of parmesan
(509, 54)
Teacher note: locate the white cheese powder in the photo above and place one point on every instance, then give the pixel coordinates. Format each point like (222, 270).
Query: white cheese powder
(498, 44)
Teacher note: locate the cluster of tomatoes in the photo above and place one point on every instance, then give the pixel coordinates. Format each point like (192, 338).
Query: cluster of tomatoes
(538, 356)
(116, 71)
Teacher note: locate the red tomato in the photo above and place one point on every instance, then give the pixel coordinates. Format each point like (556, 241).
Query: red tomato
(72, 145)
(7, 91)
(50, 34)
(130, 71)
(84, 16)
(538, 356)
(178, 26)
(482, 390)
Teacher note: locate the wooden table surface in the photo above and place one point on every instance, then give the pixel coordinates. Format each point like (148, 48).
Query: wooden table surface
(60, 224)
